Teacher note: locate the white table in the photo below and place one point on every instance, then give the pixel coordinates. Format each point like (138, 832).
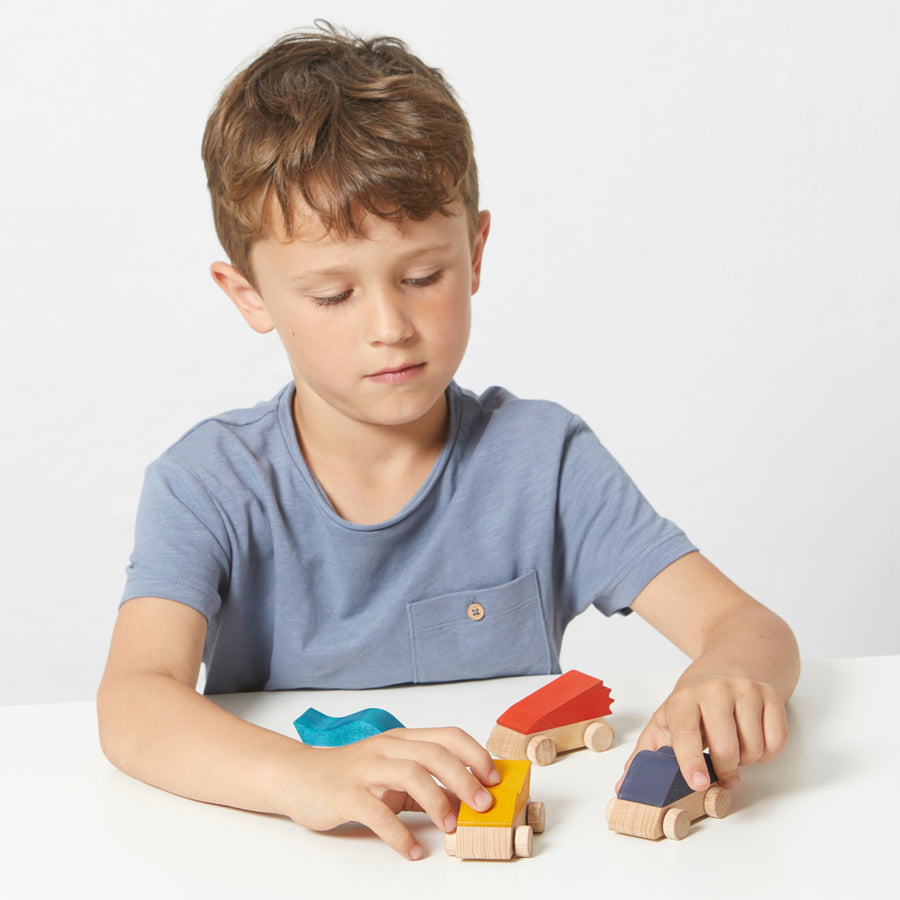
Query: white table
(820, 820)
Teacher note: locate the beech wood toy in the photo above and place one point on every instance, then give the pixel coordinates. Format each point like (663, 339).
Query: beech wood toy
(319, 730)
(655, 801)
(565, 714)
(507, 829)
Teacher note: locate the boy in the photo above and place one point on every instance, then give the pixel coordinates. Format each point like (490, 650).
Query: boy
(374, 524)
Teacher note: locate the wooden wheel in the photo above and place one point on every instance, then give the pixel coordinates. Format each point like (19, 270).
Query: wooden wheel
(541, 750)
(717, 802)
(537, 816)
(524, 840)
(599, 736)
(677, 824)
(609, 810)
(450, 844)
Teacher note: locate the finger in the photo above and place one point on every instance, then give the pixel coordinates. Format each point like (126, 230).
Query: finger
(443, 765)
(775, 728)
(463, 746)
(685, 722)
(407, 778)
(748, 718)
(405, 803)
(720, 734)
(377, 816)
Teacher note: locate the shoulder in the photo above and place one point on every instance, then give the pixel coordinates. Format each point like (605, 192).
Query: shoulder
(236, 441)
(247, 426)
(516, 439)
(500, 408)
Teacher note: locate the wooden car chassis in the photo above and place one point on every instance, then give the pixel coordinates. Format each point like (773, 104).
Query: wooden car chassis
(541, 747)
(672, 821)
(501, 842)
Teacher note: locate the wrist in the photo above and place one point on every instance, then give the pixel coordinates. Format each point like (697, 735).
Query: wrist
(284, 776)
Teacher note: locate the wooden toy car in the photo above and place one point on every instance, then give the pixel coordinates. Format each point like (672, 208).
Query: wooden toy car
(507, 829)
(563, 715)
(655, 801)
(319, 730)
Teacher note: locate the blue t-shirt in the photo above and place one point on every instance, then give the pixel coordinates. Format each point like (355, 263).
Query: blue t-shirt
(524, 521)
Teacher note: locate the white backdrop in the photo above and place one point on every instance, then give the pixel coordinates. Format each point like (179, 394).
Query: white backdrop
(696, 213)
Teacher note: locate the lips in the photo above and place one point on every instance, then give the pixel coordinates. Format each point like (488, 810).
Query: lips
(397, 374)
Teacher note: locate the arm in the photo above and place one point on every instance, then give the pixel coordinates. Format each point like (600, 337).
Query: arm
(732, 697)
(156, 727)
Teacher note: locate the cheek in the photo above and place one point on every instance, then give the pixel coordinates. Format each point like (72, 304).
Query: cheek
(309, 345)
(456, 325)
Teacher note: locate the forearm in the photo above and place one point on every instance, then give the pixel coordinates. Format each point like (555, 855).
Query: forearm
(750, 642)
(163, 732)
(178, 740)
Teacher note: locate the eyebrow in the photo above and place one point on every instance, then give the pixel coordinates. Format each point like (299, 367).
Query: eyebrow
(338, 271)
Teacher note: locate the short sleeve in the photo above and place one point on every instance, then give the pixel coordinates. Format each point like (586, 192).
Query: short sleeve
(181, 548)
(611, 540)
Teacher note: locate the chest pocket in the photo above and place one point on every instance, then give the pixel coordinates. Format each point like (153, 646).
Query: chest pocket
(488, 633)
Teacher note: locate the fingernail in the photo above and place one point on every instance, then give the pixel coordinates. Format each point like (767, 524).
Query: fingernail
(415, 852)
(698, 780)
(450, 823)
(482, 800)
(730, 783)
(494, 777)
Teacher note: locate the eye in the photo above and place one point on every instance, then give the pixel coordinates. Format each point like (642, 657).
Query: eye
(333, 300)
(427, 280)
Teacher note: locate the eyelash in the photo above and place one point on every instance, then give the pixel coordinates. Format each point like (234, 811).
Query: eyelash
(331, 301)
(427, 281)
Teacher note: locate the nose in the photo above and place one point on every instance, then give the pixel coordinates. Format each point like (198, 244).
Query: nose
(387, 318)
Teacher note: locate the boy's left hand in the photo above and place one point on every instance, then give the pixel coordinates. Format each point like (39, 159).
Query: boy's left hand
(741, 721)
(732, 697)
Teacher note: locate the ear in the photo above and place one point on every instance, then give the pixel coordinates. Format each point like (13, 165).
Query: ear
(484, 226)
(243, 295)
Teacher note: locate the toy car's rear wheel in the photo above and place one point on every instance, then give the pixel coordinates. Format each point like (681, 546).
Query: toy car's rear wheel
(609, 810)
(537, 817)
(677, 824)
(541, 750)
(599, 736)
(524, 840)
(717, 802)
(450, 844)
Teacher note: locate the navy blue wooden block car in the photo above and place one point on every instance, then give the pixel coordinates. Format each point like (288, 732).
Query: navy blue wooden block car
(655, 801)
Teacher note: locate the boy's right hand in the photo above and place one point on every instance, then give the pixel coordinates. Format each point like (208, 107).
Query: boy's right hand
(405, 769)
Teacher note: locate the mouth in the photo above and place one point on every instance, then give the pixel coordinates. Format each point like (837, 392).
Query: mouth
(396, 374)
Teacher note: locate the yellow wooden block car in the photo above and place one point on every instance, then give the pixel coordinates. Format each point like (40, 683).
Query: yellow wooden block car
(507, 829)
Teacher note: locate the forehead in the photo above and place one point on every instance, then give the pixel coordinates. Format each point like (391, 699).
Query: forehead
(311, 248)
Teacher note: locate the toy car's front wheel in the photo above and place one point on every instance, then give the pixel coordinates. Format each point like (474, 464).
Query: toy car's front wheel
(677, 824)
(541, 750)
(524, 840)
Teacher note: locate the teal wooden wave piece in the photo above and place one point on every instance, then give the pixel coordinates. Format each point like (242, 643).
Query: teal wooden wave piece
(319, 730)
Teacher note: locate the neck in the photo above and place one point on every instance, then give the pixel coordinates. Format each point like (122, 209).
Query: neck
(322, 430)
(368, 471)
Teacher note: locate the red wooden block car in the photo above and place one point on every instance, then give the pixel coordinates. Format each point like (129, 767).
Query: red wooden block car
(565, 714)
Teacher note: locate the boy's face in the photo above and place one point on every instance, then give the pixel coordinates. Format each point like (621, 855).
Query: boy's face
(374, 326)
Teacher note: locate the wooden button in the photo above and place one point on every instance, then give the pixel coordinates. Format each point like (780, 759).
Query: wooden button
(475, 612)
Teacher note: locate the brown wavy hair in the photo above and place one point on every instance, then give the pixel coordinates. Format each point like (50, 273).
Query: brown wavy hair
(349, 125)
